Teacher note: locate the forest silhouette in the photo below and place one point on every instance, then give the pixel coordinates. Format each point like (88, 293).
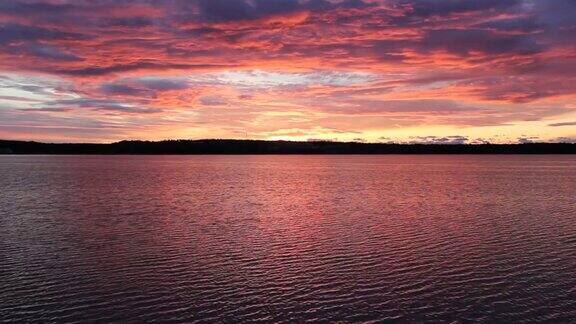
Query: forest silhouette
(277, 147)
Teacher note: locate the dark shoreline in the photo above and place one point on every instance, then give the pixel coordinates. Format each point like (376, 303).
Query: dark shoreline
(234, 147)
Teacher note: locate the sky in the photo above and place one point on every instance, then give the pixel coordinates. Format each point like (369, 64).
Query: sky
(431, 71)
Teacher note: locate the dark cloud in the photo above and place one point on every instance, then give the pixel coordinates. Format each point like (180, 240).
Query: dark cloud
(43, 51)
(456, 139)
(427, 8)
(319, 5)
(465, 41)
(122, 89)
(226, 10)
(523, 88)
(203, 31)
(18, 32)
(528, 139)
(235, 10)
(565, 140)
(101, 105)
(563, 124)
(46, 110)
(118, 68)
(355, 4)
(558, 14)
(16, 7)
(146, 87)
(132, 22)
(324, 5)
(275, 7)
(516, 24)
(161, 84)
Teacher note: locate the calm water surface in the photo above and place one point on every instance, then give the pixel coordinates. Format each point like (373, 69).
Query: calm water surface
(288, 238)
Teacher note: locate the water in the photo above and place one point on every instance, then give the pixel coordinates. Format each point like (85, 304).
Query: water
(288, 238)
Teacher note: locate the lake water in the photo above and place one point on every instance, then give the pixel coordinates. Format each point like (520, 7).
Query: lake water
(288, 238)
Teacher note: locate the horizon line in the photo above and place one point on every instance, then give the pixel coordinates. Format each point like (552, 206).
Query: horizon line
(291, 141)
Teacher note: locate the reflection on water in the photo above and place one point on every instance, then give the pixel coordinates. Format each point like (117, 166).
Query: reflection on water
(288, 238)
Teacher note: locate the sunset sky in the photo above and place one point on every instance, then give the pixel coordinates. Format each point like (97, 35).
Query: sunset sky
(364, 70)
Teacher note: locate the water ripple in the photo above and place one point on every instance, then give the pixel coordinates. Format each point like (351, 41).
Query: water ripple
(443, 239)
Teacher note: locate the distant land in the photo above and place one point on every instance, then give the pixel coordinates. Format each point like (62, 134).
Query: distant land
(218, 146)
